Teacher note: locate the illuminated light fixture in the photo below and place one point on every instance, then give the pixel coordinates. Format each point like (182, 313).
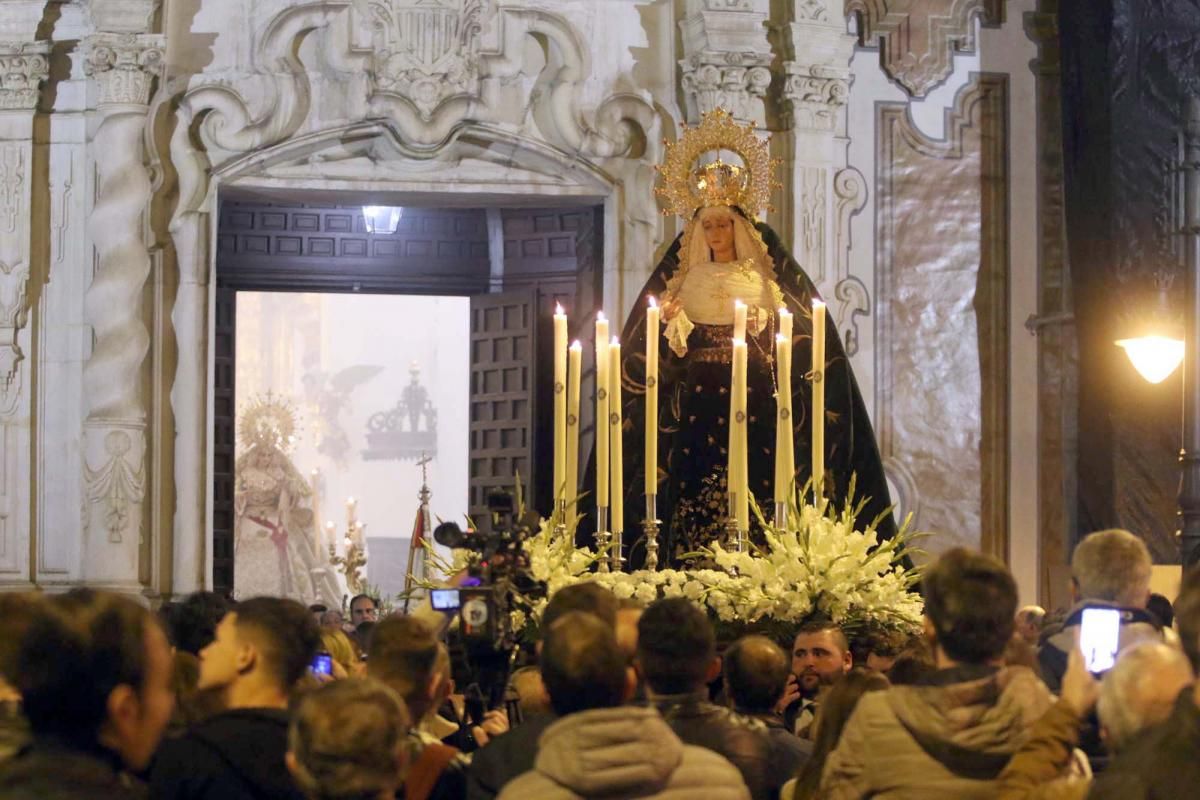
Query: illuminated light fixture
(382, 219)
(1154, 340)
(1155, 357)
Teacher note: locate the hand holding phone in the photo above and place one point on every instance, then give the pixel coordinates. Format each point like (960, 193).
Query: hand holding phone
(1099, 638)
(322, 664)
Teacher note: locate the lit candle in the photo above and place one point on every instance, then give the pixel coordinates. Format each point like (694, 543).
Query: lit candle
(652, 333)
(351, 503)
(818, 399)
(602, 363)
(615, 437)
(331, 532)
(739, 320)
(737, 480)
(785, 324)
(560, 404)
(785, 456)
(575, 367)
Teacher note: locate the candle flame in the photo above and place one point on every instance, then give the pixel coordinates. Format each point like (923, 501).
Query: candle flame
(350, 500)
(739, 342)
(779, 337)
(653, 302)
(738, 304)
(329, 525)
(576, 345)
(558, 310)
(615, 342)
(600, 317)
(818, 304)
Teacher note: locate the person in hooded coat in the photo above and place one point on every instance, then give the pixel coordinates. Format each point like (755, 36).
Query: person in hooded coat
(950, 736)
(599, 748)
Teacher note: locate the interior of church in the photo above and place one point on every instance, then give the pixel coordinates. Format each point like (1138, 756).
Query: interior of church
(291, 271)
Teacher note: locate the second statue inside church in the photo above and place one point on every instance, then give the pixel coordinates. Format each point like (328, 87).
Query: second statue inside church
(725, 255)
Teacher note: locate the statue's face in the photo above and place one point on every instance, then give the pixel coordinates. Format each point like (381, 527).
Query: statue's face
(718, 233)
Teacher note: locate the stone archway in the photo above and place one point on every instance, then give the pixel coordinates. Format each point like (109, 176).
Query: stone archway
(401, 135)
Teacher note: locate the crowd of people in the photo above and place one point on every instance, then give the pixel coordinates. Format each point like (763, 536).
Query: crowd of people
(213, 700)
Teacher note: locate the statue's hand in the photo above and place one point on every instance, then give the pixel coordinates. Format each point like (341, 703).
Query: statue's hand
(671, 308)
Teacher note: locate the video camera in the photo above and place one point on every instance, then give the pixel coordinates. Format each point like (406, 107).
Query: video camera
(497, 575)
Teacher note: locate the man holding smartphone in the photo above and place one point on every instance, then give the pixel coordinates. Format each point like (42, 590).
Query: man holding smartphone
(820, 657)
(262, 648)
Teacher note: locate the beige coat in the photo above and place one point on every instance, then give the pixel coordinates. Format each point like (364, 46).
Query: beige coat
(936, 742)
(627, 753)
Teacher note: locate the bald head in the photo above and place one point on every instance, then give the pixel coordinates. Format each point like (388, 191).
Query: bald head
(756, 673)
(1141, 690)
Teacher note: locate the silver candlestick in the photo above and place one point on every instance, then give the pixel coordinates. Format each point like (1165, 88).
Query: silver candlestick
(615, 559)
(560, 527)
(735, 537)
(650, 525)
(781, 514)
(602, 537)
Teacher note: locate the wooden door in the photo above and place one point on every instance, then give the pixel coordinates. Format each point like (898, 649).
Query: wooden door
(224, 437)
(503, 403)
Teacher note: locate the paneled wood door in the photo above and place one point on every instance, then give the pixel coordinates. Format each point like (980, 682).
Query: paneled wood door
(224, 437)
(504, 403)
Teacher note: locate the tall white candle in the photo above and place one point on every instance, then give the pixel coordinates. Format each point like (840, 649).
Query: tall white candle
(351, 506)
(785, 324)
(616, 423)
(601, 427)
(560, 404)
(818, 399)
(574, 370)
(738, 478)
(785, 456)
(739, 320)
(652, 334)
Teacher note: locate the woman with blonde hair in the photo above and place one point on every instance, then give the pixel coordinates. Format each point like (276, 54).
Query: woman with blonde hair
(346, 662)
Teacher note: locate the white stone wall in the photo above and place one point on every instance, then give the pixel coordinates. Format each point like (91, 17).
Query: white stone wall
(150, 111)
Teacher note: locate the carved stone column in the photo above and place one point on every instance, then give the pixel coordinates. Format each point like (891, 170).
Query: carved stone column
(123, 67)
(727, 58)
(824, 192)
(23, 66)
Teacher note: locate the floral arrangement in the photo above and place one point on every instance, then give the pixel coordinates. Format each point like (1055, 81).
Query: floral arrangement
(817, 565)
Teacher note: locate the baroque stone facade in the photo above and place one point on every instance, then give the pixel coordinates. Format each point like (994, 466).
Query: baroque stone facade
(155, 109)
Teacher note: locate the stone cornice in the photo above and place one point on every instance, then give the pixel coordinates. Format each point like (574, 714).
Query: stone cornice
(23, 66)
(124, 66)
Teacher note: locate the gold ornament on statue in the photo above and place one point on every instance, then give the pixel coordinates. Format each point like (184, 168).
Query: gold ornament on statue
(269, 421)
(687, 186)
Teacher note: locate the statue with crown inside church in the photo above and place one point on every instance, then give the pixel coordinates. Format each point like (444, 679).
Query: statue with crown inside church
(718, 177)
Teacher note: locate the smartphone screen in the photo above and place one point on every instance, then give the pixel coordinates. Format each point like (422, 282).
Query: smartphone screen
(444, 599)
(1099, 636)
(322, 664)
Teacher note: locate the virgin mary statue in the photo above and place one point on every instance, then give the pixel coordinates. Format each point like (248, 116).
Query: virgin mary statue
(724, 255)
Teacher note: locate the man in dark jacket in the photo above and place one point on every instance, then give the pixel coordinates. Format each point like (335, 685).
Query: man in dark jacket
(756, 674)
(262, 648)
(1109, 569)
(514, 753)
(677, 658)
(1162, 762)
(94, 673)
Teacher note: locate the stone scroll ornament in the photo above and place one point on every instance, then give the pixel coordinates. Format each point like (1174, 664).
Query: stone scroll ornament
(918, 38)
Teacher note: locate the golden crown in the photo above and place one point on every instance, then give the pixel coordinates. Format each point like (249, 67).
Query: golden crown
(270, 421)
(686, 186)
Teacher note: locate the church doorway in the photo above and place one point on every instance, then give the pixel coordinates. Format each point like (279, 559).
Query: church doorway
(384, 348)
